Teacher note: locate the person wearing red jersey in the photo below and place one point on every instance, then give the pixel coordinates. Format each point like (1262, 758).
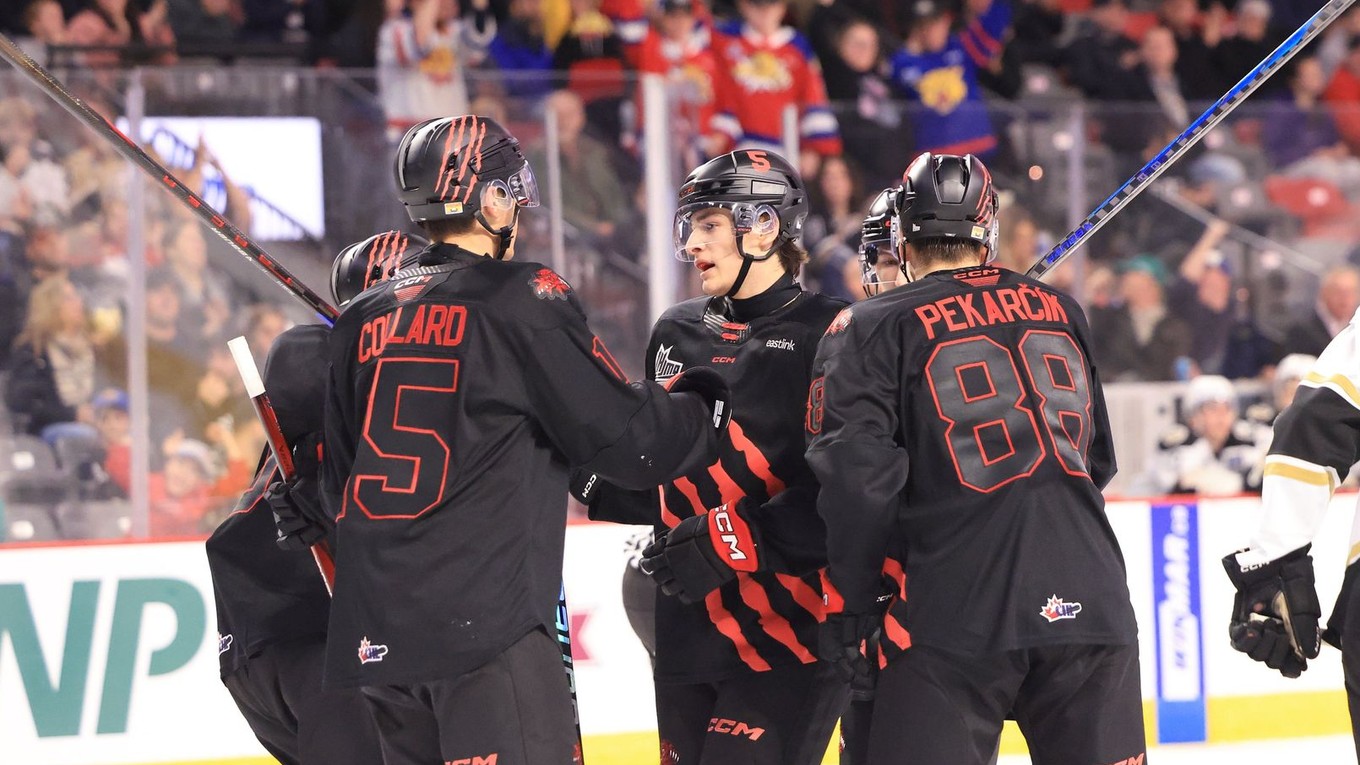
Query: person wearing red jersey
(681, 50)
(763, 66)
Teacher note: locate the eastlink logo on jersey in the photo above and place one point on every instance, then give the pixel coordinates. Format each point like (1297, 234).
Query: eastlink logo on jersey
(783, 344)
(1180, 648)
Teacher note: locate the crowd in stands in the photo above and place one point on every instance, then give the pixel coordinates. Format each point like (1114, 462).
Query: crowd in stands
(1184, 284)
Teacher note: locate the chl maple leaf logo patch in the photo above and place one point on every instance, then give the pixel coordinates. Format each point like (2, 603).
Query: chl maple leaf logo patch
(549, 286)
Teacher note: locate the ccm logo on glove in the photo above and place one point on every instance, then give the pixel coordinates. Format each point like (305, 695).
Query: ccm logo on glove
(732, 539)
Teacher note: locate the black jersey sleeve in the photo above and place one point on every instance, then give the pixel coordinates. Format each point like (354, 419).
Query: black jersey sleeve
(634, 434)
(792, 534)
(852, 449)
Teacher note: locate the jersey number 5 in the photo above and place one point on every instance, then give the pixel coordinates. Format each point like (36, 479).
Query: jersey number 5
(401, 468)
(991, 428)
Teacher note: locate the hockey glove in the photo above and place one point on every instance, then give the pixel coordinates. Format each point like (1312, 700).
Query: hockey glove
(298, 517)
(584, 485)
(1276, 611)
(702, 553)
(712, 387)
(841, 642)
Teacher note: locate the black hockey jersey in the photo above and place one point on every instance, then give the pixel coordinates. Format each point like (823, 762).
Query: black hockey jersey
(769, 618)
(265, 594)
(961, 417)
(459, 395)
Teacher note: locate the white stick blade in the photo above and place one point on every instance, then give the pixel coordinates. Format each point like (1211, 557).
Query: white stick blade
(245, 364)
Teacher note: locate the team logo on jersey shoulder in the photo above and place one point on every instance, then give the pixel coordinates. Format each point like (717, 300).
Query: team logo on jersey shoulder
(224, 643)
(549, 286)
(666, 367)
(370, 652)
(840, 323)
(1055, 609)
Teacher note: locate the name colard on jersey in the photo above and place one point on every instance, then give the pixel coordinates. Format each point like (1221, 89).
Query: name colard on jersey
(435, 325)
(984, 308)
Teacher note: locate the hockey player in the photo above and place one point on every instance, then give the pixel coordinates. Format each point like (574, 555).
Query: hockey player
(739, 541)
(271, 603)
(1316, 442)
(961, 415)
(1215, 453)
(459, 393)
(878, 261)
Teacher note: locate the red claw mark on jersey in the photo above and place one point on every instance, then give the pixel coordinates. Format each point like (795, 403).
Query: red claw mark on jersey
(549, 286)
(669, 756)
(840, 323)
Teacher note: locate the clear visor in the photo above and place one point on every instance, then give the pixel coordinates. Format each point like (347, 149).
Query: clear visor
(523, 187)
(697, 226)
(879, 266)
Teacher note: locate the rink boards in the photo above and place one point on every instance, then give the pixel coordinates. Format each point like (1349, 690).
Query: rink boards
(108, 652)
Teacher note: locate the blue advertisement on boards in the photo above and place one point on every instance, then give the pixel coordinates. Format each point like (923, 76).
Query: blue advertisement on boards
(1180, 643)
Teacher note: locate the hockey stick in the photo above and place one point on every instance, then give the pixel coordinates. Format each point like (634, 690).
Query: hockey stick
(131, 151)
(278, 446)
(1182, 143)
(564, 643)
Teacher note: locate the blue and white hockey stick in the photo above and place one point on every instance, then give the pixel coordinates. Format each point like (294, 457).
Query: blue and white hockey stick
(1182, 143)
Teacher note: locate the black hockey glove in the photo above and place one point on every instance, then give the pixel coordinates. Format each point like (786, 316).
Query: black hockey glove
(702, 553)
(1276, 612)
(298, 515)
(584, 485)
(712, 387)
(842, 642)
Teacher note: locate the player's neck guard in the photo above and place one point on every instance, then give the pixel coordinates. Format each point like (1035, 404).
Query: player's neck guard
(776, 296)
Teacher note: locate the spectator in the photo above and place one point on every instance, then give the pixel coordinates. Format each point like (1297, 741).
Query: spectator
(172, 367)
(205, 300)
(1203, 297)
(264, 323)
(29, 161)
(423, 58)
(106, 27)
(1155, 79)
(114, 426)
(1196, 42)
(52, 372)
(593, 202)
(592, 56)
(202, 21)
(1338, 299)
(1101, 58)
(831, 232)
(1140, 340)
(45, 256)
(1038, 27)
(282, 21)
(938, 70)
(1343, 96)
(1216, 453)
(185, 494)
(763, 68)
(1248, 46)
(680, 50)
(44, 24)
(1300, 136)
(1284, 382)
(519, 52)
(874, 130)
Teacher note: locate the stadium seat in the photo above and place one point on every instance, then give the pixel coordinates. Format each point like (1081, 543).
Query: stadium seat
(32, 485)
(1316, 203)
(94, 519)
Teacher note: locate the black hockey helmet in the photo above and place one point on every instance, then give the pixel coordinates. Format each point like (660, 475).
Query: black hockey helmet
(363, 264)
(946, 196)
(757, 187)
(875, 243)
(446, 166)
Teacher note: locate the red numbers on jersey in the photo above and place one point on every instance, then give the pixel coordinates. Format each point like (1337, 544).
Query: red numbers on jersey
(992, 429)
(401, 468)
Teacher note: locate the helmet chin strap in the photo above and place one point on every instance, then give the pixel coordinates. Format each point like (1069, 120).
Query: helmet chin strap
(504, 235)
(746, 261)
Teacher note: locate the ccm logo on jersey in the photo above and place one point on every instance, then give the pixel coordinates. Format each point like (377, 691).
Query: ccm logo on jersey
(490, 759)
(732, 539)
(734, 728)
(1138, 760)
